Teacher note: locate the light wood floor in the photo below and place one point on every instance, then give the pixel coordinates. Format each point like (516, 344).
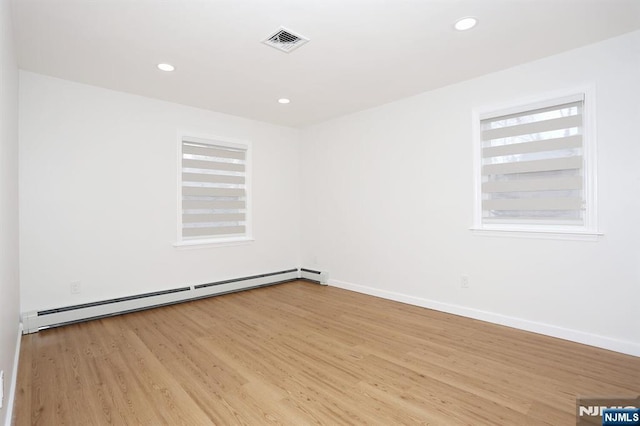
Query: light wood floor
(300, 353)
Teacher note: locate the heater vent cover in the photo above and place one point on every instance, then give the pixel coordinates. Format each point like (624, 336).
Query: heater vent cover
(285, 40)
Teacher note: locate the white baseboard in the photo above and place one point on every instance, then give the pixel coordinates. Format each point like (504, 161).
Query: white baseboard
(622, 346)
(14, 379)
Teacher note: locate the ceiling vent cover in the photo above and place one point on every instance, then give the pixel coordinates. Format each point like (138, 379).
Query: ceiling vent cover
(285, 40)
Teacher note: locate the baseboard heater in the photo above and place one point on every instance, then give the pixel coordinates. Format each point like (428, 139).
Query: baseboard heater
(40, 320)
(314, 276)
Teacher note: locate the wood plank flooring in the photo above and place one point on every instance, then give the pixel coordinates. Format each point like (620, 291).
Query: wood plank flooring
(300, 353)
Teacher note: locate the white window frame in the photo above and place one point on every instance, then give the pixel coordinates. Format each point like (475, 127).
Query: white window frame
(589, 230)
(245, 238)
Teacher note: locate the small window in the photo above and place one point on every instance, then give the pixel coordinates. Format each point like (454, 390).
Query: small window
(213, 191)
(535, 170)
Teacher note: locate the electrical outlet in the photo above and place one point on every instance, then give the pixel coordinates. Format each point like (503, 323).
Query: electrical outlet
(75, 287)
(464, 281)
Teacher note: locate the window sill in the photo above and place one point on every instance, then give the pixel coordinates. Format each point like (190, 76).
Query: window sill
(219, 242)
(539, 234)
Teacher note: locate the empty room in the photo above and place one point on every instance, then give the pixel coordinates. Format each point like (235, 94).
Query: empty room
(220, 212)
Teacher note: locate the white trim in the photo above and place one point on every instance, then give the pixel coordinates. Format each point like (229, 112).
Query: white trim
(622, 346)
(589, 231)
(539, 234)
(590, 155)
(248, 179)
(224, 142)
(14, 379)
(537, 102)
(477, 168)
(180, 135)
(219, 242)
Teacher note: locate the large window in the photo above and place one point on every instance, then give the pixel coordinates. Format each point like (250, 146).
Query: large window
(214, 201)
(536, 170)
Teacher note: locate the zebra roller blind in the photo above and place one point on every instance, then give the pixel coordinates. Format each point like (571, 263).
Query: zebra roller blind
(533, 166)
(214, 189)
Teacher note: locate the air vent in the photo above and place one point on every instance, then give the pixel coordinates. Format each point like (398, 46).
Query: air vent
(285, 40)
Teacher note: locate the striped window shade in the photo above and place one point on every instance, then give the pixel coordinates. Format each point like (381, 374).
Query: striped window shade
(533, 166)
(214, 189)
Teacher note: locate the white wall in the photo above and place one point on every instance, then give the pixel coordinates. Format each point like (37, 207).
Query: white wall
(98, 189)
(388, 203)
(9, 279)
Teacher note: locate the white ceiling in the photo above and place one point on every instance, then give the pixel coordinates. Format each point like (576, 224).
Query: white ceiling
(362, 53)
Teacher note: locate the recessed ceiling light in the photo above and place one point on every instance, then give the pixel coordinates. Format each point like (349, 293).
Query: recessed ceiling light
(166, 67)
(467, 23)
(284, 100)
